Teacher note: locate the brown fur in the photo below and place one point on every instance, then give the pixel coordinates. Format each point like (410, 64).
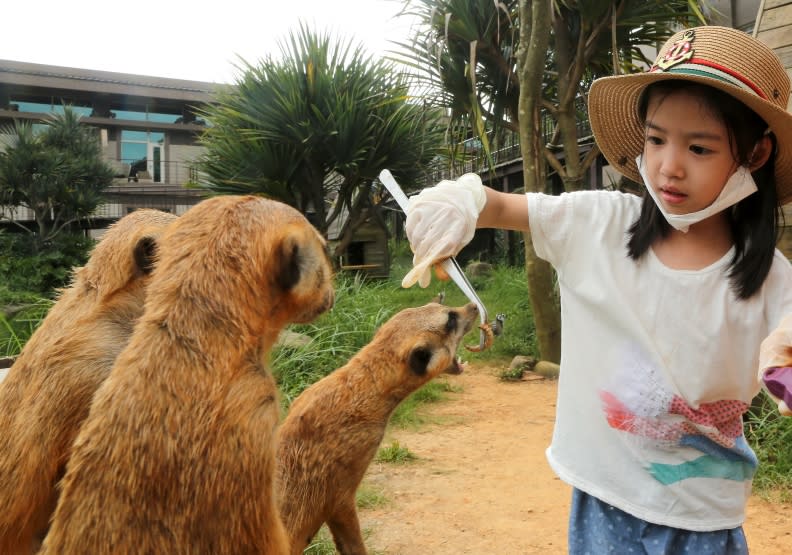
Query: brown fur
(179, 444)
(48, 390)
(333, 429)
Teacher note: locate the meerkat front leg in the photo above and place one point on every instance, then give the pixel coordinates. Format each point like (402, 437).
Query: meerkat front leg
(345, 527)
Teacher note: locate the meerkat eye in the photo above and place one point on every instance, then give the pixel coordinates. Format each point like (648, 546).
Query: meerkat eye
(451, 325)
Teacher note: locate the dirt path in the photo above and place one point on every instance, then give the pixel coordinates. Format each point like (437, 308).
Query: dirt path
(482, 484)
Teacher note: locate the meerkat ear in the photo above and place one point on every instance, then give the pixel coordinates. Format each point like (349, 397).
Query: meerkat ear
(288, 266)
(144, 253)
(419, 360)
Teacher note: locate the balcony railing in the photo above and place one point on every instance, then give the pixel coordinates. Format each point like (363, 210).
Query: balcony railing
(143, 173)
(507, 150)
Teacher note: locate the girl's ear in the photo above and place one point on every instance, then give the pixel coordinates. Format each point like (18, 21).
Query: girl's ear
(760, 154)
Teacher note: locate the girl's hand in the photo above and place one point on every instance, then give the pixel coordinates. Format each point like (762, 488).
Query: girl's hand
(775, 366)
(778, 382)
(440, 221)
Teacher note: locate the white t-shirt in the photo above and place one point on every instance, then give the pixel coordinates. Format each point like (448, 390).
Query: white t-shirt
(657, 367)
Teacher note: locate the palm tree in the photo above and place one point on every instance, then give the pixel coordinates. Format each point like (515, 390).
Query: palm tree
(314, 128)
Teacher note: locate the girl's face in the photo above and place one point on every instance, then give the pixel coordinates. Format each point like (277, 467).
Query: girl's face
(688, 154)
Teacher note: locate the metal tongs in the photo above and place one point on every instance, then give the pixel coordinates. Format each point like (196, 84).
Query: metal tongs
(450, 265)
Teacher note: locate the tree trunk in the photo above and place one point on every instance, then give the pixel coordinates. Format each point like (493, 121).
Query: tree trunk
(569, 67)
(535, 20)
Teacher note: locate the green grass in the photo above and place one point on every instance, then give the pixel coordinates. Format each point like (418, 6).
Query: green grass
(370, 497)
(511, 374)
(408, 413)
(770, 435)
(362, 306)
(18, 320)
(322, 543)
(395, 454)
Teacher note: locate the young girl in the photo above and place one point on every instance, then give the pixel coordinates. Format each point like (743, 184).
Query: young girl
(665, 300)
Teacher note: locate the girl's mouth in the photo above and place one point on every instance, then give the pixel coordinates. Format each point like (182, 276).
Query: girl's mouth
(672, 196)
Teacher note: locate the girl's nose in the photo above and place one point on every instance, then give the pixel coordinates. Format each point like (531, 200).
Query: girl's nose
(671, 166)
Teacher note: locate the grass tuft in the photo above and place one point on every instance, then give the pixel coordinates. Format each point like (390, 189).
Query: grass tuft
(511, 374)
(322, 544)
(395, 454)
(370, 497)
(770, 436)
(18, 322)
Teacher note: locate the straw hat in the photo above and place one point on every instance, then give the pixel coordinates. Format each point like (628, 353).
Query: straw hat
(721, 57)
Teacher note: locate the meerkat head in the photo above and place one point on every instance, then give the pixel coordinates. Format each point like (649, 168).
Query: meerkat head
(303, 273)
(244, 264)
(425, 340)
(126, 252)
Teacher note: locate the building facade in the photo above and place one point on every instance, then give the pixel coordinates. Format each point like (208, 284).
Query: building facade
(148, 128)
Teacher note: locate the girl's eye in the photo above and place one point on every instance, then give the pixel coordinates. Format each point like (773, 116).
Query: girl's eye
(695, 149)
(652, 140)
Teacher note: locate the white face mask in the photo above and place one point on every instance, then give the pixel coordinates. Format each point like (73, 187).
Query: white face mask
(740, 185)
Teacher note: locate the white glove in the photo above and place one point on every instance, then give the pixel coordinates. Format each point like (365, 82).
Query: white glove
(440, 221)
(776, 351)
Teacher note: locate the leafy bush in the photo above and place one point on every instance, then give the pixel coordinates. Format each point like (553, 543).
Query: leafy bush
(27, 265)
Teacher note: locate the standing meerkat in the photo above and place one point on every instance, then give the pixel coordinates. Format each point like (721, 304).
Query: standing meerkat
(333, 429)
(177, 454)
(48, 390)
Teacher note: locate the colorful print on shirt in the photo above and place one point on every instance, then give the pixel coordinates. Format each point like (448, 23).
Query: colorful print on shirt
(642, 405)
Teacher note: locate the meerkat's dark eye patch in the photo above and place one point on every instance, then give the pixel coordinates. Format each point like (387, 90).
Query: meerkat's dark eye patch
(419, 360)
(453, 321)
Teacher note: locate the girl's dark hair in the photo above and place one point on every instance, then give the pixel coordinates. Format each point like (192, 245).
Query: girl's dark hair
(753, 220)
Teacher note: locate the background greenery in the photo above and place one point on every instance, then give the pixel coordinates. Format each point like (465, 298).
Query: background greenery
(362, 306)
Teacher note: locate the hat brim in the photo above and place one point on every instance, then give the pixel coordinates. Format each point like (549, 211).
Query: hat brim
(620, 135)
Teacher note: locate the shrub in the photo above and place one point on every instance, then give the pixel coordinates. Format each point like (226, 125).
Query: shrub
(770, 436)
(27, 265)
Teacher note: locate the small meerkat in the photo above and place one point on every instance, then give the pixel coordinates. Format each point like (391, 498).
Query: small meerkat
(333, 429)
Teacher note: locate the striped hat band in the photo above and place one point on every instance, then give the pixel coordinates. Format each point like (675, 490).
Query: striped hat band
(706, 68)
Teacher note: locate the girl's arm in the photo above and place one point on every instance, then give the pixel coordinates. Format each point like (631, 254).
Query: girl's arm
(504, 211)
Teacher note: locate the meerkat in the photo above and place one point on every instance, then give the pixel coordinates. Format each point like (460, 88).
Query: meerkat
(48, 390)
(177, 454)
(333, 429)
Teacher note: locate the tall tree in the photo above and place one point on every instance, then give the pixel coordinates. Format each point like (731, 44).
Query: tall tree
(535, 20)
(466, 52)
(58, 173)
(315, 127)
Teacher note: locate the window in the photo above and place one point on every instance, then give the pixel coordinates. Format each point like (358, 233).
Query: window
(49, 108)
(143, 151)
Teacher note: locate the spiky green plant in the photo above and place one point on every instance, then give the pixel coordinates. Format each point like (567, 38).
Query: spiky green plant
(314, 126)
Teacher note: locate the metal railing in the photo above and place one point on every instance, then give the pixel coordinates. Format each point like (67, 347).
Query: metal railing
(507, 151)
(170, 173)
